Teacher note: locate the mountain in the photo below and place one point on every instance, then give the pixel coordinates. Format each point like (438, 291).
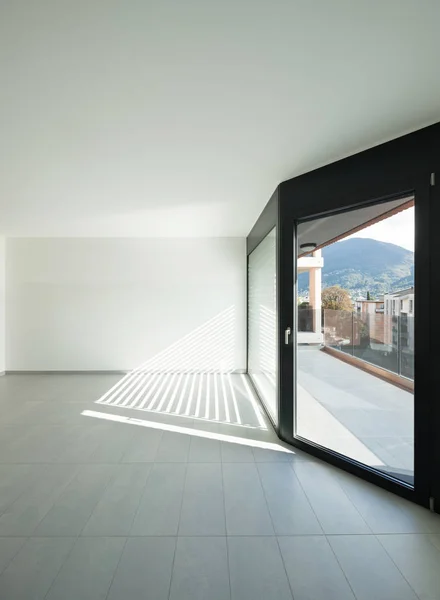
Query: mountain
(362, 264)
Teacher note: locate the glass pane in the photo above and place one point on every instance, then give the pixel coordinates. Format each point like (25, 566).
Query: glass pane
(355, 354)
(262, 326)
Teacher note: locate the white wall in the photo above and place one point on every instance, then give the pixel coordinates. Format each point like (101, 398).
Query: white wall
(98, 304)
(2, 305)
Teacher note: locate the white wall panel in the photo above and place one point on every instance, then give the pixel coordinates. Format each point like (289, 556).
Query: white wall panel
(92, 304)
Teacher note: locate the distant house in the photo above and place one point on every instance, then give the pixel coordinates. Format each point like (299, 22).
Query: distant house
(371, 311)
(399, 319)
(309, 317)
(370, 306)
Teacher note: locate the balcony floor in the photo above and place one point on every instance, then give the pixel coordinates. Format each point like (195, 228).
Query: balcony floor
(355, 413)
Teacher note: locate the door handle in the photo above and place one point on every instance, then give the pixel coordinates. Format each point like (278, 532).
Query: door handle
(287, 332)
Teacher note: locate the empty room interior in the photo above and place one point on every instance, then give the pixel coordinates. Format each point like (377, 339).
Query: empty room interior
(218, 280)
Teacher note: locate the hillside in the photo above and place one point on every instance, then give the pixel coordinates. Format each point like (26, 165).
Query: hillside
(362, 265)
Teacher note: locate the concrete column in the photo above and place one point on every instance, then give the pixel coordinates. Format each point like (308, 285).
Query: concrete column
(315, 294)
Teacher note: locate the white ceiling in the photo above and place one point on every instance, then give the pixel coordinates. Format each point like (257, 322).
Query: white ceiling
(173, 117)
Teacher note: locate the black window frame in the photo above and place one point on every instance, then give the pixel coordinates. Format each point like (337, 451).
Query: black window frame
(401, 167)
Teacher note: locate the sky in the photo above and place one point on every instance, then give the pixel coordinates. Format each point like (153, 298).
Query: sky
(398, 230)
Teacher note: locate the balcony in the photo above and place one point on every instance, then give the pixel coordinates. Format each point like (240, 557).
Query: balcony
(309, 326)
(355, 413)
(373, 340)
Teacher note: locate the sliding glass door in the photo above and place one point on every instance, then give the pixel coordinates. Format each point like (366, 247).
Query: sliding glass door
(355, 335)
(342, 287)
(354, 303)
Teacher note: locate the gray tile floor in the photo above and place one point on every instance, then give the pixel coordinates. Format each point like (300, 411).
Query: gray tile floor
(102, 501)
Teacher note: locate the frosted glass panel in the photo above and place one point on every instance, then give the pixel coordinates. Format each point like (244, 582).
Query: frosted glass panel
(262, 324)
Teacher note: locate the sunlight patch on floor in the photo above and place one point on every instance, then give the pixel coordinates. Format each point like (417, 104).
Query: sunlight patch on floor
(187, 431)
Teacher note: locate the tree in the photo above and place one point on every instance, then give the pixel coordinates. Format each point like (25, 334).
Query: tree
(304, 305)
(368, 296)
(336, 298)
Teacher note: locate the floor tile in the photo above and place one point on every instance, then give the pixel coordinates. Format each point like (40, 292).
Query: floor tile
(115, 512)
(263, 455)
(23, 516)
(289, 507)
(418, 559)
(113, 448)
(89, 570)
(34, 568)
(159, 509)
(14, 480)
(143, 446)
(236, 453)
(73, 508)
(385, 512)
(144, 570)
(207, 426)
(312, 569)
(245, 505)
(335, 511)
(204, 450)
(435, 539)
(256, 569)
(9, 546)
(173, 447)
(368, 568)
(200, 569)
(203, 510)
(80, 448)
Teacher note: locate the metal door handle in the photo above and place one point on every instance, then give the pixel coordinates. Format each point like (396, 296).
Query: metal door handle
(287, 332)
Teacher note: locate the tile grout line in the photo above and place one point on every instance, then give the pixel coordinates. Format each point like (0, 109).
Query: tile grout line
(61, 566)
(9, 504)
(125, 450)
(340, 566)
(274, 530)
(76, 538)
(394, 563)
(29, 487)
(123, 462)
(352, 503)
(79, 535)
(307, 498)
(15, 554)
(119, 465)
(105, 488)
(226, 530)
(117, 567)
(58, 496)
(201, 535)
(141, 497)
(323, 532)
(176, 537)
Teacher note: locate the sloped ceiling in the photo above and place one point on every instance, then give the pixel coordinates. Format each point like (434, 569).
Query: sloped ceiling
(165, 118)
